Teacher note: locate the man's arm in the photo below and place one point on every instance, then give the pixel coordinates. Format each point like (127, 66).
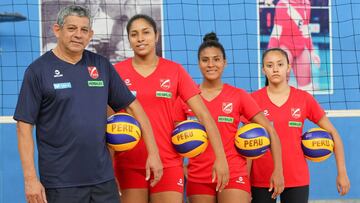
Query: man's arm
(34, 190)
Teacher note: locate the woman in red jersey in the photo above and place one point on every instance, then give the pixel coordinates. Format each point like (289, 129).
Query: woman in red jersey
(157, 83)
(291, 32)
(287, 108)
(226, 104)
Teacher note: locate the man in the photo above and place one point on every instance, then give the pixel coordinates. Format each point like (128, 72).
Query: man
(65, 93)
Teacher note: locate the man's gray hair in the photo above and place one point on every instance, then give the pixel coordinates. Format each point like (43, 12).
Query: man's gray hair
(73, 10)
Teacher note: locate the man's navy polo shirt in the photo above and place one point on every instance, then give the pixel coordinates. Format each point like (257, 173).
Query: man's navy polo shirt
(67, 103)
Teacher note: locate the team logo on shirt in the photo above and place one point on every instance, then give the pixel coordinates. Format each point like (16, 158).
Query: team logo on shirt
(296, 113)
(57, 74)
(227, 107)
(94, 74)
(165, 84)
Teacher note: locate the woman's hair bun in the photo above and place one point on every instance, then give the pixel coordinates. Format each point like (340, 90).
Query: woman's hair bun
(210, 37)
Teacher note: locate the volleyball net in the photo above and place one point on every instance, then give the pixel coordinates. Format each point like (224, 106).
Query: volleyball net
(321, 36)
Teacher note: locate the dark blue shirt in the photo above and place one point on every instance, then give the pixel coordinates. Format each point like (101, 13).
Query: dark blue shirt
(67, 103)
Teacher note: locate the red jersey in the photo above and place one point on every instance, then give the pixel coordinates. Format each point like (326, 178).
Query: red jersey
(288, 120)
(226, 109)
(157, 94)
(291, 26)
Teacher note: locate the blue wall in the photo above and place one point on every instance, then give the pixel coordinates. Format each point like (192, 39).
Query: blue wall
(185, 22)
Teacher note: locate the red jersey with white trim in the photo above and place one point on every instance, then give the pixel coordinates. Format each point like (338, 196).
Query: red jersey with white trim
(291, 26)
(226, 109)
(157, 94)
(288, 120)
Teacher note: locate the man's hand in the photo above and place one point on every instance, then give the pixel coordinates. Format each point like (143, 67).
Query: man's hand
(34, 191)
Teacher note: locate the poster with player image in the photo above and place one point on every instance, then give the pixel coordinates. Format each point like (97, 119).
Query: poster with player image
(302, 29)
(109, 24)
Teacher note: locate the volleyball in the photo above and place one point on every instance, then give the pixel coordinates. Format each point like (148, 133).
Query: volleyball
(189, 138)
(252, 141)
(317, 144)
(122, 132)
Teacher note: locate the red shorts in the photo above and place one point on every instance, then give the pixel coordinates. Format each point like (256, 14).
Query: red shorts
(193, 188)
(172, 179)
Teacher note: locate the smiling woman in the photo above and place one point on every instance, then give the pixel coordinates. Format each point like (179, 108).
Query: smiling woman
(227, 104)
(157, 83)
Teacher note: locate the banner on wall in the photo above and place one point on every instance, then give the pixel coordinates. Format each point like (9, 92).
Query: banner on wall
(109, 24)
(302, 29)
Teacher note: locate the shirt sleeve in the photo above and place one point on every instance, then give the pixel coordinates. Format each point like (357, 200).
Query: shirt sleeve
(313, 109)
(30, 98)
(186, 87)
(119, 94)
(248, 107)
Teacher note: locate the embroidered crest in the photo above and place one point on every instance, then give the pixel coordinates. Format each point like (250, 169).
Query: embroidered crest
(165, 84)
(93, 72)
(227, 107)
(296, 113)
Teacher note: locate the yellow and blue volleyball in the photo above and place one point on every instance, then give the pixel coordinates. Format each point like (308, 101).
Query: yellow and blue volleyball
(189, 138)
(317, 144)
(122, 132)
(252, 141)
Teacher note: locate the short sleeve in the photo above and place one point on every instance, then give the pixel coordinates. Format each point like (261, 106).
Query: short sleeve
(186, 86)
(30, 98)
(119, 94)
(313, 109)
(248, 107)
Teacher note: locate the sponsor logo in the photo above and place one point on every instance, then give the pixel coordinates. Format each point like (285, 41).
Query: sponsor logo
(64, 85)
(266, 112)
(240, 180)
(95, 83)
(127, 82)
(163, 94)
(227, 107)
(180, 182)
(94, 74)
(225, 119)
(296, 113)
(295, 124)
(57, 74)
(193, 118)
(165, 84)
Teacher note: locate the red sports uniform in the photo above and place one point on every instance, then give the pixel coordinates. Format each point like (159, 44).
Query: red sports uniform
(288, 120)
(291, 26)
(157, 94)
(226, 109)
